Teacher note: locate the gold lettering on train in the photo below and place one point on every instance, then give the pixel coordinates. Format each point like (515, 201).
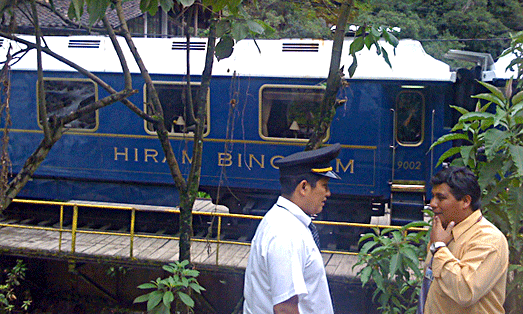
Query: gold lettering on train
(116, 154)
(224, 159)
(273, 159)
(344, 168)
(185, 157)
(261, 164)
(227, 160)
(150, 153)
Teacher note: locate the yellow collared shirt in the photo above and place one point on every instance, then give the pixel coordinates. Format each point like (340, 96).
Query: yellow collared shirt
(470, 274)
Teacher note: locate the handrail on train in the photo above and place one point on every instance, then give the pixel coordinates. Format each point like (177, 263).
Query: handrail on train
(132, 234)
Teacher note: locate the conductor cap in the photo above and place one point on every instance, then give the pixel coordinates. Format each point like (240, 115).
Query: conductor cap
(314, 161)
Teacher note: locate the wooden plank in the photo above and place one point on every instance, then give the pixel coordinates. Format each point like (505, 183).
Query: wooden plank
(168, 251)
(345, 267)
(231, 254)
(149, 247)
(207, 256)
(242, 257)
(333, 264)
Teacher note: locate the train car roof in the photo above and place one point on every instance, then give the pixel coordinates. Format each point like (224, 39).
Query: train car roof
(266, 58)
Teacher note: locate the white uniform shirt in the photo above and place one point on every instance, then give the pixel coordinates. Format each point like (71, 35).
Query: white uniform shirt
(284, 261)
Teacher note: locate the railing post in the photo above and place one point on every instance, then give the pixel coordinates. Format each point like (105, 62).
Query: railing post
(133, 217)
(61, 227)
(73, 228)
(218, 238)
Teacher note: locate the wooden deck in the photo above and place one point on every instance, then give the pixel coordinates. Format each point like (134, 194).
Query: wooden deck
(116, 248)
(149, 249)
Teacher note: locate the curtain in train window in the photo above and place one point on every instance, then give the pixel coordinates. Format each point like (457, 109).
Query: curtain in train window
(289, 112)
(409, 118)
(178, 118)
(65, 96)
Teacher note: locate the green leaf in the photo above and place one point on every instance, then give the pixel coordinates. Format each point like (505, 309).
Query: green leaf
(450, 137)
(474, 116)
(516, 153)
(415, 224)
(518, 98)
(460, 109)
(96, 9)
(449, 153)
(150, 6)
(239, 31)
(147, 286)
(223, 27)
(493, 89)
(395, 263)
(224, 48)
(365, 274)
(386, 57)
(168, 298)
(186, 299)
(255, 26)
(392, 39)
(191, 272)
(155, 298)
(77, 8)
(196, 287)
(142, 298)
(186, 3)
(353, 66)
(167, 5)
(367, 246)
(494, 140)
(356, 45)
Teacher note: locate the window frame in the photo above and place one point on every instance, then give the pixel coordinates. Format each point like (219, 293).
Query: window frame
(396, 120)
(68, 79)
(262, 125)
(178, 134)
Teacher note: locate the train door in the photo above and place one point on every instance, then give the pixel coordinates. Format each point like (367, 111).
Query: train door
(409, 154)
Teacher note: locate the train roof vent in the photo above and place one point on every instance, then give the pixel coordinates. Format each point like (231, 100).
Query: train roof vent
(84, 43)
(194, 45)
(1, 42)
(300, 47)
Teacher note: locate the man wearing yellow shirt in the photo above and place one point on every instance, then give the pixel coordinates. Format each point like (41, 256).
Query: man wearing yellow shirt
(468, 258)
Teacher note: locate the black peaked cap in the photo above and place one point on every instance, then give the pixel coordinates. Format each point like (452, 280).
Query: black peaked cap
(315, 161)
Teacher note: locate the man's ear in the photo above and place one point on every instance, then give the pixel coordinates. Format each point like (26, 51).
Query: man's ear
(467, 201)
(303, 187)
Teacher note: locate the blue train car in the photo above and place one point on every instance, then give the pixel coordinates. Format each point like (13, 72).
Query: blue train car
(261, 106)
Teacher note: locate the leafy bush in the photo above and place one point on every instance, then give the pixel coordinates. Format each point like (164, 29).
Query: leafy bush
(12, 294)
(183, 280)
(391, 259)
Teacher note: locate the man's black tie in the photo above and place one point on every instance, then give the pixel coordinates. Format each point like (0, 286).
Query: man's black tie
(315, 234)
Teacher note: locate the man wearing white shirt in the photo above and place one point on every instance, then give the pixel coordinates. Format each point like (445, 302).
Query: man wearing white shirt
(285, 272)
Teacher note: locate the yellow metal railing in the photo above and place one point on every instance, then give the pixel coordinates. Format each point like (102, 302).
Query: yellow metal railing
(74, 231)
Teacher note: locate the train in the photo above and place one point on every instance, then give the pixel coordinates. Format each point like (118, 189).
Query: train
(262, 103)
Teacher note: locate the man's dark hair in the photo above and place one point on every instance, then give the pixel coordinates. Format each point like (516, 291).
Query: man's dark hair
(289, 182)
(462, 182)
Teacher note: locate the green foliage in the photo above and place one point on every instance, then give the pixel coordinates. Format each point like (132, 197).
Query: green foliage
(368, 36)
(13, 297)
(391, 259)
(177, 285)
(495, 154)
(516, 49)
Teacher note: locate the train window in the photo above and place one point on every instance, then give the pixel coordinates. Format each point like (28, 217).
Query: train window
(289, 112)
(64, 96)
(409, 118)
(175, 106)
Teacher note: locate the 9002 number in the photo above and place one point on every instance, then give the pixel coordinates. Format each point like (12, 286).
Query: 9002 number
(409, 165)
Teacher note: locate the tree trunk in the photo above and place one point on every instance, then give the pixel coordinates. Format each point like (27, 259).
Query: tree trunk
(328, 105)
